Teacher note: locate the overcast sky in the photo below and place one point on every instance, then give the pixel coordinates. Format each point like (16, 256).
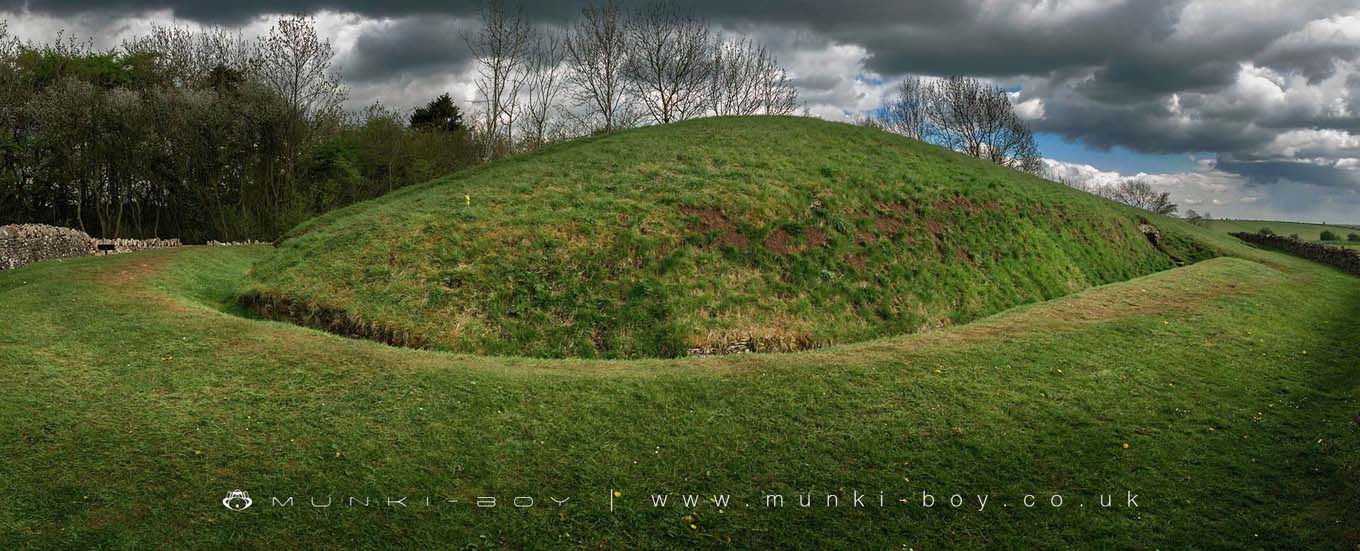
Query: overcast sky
(1242, 108)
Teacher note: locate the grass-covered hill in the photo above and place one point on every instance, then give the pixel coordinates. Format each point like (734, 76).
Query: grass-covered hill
(714, 234)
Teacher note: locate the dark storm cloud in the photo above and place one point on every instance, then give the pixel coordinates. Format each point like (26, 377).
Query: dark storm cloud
(409, 45)
(1129, 43)
(1156, 76)
(1317, 62)
(798, 11)
(1272, 171)
(233, 12)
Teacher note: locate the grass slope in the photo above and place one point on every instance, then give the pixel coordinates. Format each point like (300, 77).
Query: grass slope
(131, 401)
(790, 232)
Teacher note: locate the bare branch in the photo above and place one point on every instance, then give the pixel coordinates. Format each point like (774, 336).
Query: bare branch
(669, 68)
(597, 54)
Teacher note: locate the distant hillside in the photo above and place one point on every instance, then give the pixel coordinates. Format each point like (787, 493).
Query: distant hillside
(1306, 231)
(708, 236)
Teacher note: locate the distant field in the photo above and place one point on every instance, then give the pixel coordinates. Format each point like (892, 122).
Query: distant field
(1306, 231)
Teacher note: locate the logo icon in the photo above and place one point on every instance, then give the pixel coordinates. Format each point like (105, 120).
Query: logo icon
(237, 500)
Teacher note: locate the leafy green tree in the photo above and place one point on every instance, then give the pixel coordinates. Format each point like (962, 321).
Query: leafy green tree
(441, 114)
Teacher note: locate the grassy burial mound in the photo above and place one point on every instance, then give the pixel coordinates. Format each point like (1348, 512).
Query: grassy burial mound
(708, 236)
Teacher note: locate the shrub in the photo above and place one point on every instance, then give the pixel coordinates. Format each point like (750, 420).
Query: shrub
(1294, 236)
(1329, 235)
(1353, 237)
(1266, 231)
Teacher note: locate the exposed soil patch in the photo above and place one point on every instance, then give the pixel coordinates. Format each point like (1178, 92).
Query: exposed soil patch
(965, 256)
(898, 209)
(709, 219)
(778, 242)
(889, 226)
(935, 227)
(736, 240)
(857, 261)
(816, 238)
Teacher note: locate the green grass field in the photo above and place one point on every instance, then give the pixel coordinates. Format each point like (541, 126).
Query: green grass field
(1305, 231)
(133, 398)
(790, 231)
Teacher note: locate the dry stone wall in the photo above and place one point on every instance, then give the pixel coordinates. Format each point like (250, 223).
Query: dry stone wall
(27, 243)
(23, 244)
(1346, 259)
(115, 246)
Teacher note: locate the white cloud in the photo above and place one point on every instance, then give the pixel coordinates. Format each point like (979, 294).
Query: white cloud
(1228, 195)
(1030, 109)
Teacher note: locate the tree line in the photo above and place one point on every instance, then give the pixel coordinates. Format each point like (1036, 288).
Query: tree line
(199, 135)
(613, 69)
(208, 135)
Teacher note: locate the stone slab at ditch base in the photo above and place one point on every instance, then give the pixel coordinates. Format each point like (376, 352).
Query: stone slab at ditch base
(23, 244)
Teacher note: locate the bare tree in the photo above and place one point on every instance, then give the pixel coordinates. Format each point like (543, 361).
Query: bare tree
(908, 111)
(191, 59)
(296, 63)
(669, 66)
(543, 84)
(977, 119)
(500, 48)
(1198, 219)
(1138, 193)
(597, 55)
(777, 95)
(735, 66)
(744, 79)
(8, 44)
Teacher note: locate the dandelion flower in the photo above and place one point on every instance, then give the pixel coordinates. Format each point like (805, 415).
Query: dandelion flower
(693, 527)
(618, 493)
(1126, 445)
